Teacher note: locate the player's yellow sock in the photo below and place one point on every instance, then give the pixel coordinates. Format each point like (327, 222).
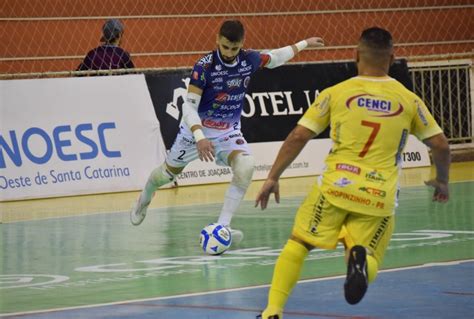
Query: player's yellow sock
(372, 268)
(286, 274)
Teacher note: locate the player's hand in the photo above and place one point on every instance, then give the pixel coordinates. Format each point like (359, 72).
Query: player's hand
(205, 150)
(315, 42)
(441, 192)
(270, 186)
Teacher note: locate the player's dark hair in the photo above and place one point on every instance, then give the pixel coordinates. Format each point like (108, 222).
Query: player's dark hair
(376, 38)
(233, 30)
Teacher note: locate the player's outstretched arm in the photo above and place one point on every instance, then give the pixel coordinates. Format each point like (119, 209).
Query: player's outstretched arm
(290, 149)
(282, 55)
(442, 159)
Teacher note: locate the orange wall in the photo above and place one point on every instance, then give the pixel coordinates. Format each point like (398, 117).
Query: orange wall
(66, 38)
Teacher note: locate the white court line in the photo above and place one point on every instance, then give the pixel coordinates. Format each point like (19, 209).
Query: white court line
(434, 264)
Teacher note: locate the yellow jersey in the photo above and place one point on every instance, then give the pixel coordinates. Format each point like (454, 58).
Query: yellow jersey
(370, 118)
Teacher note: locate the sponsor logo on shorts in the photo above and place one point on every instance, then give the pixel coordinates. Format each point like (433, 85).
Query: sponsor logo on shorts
(240, 141)
(189, 140)
(228, 137)
(373, 191)
(342, 182)
(348, 168)
(184, 141)
(374, 242)
(318, 215)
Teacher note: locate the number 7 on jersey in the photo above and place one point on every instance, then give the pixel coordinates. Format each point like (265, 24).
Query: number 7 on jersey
(375, 130)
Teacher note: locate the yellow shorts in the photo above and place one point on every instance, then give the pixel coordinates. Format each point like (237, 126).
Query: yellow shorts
(322, 225)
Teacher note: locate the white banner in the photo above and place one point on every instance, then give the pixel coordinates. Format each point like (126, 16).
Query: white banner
(76, 136)
(309, 162)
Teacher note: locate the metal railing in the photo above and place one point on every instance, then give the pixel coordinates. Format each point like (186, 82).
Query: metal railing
(446, 87)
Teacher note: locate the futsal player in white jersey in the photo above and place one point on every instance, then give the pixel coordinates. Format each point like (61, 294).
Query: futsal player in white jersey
(210, 127)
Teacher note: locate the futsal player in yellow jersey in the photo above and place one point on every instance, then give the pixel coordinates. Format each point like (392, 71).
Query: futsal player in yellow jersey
(371, 116)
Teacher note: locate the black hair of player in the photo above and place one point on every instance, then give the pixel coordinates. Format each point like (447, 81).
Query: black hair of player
(232, 30)
(377, 38)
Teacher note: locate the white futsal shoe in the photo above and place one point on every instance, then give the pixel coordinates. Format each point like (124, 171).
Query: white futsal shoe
(237, 236)
(138, 213)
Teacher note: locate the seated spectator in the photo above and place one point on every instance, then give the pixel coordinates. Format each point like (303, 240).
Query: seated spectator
(109, 55)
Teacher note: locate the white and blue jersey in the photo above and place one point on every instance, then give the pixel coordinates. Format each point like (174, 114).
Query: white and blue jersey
(223, 89)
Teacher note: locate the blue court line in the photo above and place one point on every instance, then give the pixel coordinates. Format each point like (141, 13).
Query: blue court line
(434, 290)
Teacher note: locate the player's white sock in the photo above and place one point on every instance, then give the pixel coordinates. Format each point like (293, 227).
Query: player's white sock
(159, 176)
(242, 167)
(232, 199)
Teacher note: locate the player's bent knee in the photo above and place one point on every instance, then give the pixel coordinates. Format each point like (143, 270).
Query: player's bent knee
(242, 167)
(161, 175)
(173, 170)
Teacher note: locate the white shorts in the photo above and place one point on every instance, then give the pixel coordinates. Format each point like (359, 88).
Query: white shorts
(184, 148)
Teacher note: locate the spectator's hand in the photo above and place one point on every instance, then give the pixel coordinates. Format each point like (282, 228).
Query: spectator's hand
(315, 42)
(270, 186)
(441, 192)
(205, 150)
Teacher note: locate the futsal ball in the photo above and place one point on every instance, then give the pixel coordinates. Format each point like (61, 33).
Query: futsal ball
(215, 239)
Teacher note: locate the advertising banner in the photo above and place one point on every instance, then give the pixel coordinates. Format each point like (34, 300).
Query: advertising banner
(275, 100)
(87, 135)
(75, 136)
(274, 103)
(309, 162)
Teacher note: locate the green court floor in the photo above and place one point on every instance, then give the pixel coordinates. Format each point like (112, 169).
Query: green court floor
(100, 258)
